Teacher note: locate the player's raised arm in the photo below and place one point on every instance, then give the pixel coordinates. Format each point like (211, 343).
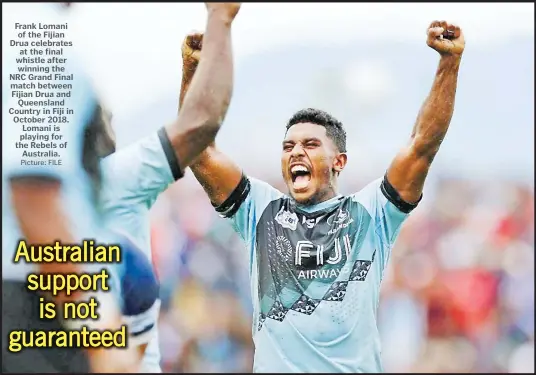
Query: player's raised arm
(214, 170)
(234, 195)
(409, 169)
(209, 95)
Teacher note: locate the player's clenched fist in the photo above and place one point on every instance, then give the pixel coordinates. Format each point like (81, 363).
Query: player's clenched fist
(191, 50)
(446, 38)
(227, 11)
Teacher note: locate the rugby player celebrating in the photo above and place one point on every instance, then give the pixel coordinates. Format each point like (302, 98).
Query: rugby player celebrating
(317, 257)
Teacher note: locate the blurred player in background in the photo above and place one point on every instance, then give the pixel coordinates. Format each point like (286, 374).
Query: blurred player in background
(133, 280)
(134, 177)
(316, 257)
(46, 203)
(139, 291)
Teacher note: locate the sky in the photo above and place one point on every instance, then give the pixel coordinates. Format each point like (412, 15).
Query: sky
(133, 49)
(143, 40)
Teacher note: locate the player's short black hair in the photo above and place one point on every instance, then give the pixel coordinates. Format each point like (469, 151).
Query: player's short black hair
(334, 128)
(98, 143)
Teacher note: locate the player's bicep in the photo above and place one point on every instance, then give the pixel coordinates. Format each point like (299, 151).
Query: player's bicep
(407, 173)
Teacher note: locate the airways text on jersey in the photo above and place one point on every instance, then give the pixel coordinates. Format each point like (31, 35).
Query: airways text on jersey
(305, 259)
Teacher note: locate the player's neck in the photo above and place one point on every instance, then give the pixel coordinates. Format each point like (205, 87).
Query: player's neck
(331, 192)
(327, 195)
(320, 198)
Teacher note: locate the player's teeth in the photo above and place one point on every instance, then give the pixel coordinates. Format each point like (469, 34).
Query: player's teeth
(298, 168)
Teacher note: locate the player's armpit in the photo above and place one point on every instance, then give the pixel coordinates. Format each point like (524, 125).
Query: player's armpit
(218, 175)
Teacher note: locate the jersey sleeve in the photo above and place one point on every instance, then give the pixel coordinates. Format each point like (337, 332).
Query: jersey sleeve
(139, 293)
(142, 327)
(245, 206)
(388, 212)
(68, 128)
(141, 171)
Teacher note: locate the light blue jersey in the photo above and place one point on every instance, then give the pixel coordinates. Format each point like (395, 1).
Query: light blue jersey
(133, 178)
(40, 159)
(315, 274)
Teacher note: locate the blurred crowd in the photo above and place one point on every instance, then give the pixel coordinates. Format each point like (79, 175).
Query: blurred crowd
(458, 294)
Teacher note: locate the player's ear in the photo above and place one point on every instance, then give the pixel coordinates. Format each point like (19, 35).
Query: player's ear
(340, 162)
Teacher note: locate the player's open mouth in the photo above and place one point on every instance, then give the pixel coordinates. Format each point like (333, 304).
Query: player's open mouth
(301, 176)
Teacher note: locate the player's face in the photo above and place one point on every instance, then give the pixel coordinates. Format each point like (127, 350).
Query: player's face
(308, 163)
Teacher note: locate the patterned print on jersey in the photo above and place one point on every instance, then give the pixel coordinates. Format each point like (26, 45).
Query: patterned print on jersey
(305, 258)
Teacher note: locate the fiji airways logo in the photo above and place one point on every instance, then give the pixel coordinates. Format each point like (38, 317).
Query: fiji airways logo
(307, 249)
(339, 220)
(287, 219)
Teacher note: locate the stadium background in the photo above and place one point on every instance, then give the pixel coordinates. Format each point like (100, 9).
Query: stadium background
(458, 295)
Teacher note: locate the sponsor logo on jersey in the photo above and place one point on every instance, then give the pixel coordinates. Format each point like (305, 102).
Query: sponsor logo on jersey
(306, 249)
(310, 223)
(287, 219)
(339, 220)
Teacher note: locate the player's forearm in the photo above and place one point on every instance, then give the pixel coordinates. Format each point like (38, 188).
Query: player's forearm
(212, 85)
(208, 97)
(187, 76)
(435, 115)
(217, 173)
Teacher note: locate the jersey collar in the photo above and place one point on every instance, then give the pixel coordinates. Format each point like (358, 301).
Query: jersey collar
(322, 206)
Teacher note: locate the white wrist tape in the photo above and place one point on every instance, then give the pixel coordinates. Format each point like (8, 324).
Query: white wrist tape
(142, 327)
(106, 310)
